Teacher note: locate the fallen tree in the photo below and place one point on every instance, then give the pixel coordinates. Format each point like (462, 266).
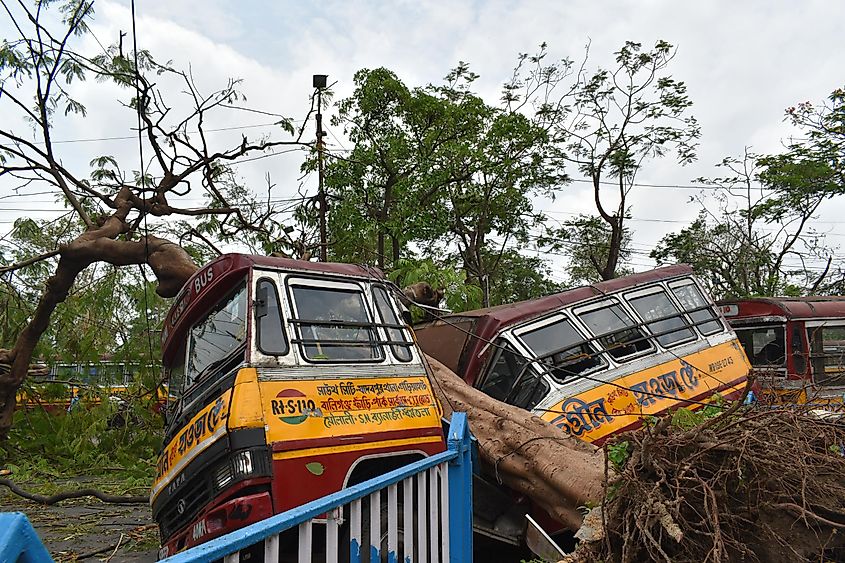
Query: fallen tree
(558, 472)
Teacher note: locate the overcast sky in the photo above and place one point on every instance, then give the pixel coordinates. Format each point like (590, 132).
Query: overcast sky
(743, 62)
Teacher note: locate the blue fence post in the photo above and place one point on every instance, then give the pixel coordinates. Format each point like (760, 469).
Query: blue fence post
(18, 541)
(460, 490)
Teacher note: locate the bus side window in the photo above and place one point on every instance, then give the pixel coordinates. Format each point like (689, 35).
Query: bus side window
(615, 330)
(502, 373)
(663, 318)
(697, 306)
(799, 352)
(402, 352)
(827, 354)
(559, 346)
(271, 338)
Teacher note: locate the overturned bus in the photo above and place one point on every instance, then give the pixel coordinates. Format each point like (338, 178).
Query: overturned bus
(596, 359)
(593, 361)
(288, 380)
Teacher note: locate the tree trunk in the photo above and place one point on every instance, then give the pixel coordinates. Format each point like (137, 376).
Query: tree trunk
(558, 472)
(170, 263)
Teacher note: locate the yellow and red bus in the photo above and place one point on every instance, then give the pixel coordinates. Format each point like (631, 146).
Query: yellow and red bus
(796, 346)
(595, 360)
(288, 380)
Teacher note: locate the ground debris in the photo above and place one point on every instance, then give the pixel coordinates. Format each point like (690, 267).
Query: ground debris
(752, 484)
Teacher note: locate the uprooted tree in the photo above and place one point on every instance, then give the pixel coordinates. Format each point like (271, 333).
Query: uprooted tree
(114, 217)
(115, 210)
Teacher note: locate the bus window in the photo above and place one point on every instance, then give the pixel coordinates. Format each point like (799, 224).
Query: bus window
(664, 318)
(827, 354)
(271, 338)
(503, 371)
(563, 349)
(334, 324)
(616, 330)
(215, 338)
(697, 307)
(511, 379)
(176, 374)
(763, 345)
(799, 353)
(402, 352)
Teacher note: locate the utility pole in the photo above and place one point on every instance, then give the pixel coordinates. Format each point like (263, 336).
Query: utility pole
(319, 82)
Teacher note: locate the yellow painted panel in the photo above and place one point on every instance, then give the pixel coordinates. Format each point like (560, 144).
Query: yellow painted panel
(246, 409)
(204, 429)
(299, 410)
(611, 406)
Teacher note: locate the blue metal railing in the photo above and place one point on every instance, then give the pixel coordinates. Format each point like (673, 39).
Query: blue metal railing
(433, 522)
(18, 541)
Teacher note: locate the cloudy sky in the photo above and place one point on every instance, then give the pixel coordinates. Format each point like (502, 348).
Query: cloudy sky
(743, 62)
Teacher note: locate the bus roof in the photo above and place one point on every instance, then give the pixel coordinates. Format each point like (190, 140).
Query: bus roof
(215, 279)
(440, 337)
(813, 307)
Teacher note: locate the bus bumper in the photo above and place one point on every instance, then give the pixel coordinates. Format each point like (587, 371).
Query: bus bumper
(222, 519)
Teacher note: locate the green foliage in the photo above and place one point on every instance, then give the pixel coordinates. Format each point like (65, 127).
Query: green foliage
(83, 442)
(686, 419)
(433, 167)
(741, 250)
(518, 277)
(618, 454)
(608, 124)
(460, 295)
(588, 241)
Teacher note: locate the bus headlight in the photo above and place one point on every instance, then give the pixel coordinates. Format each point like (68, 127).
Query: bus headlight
(243, 464)
(237, 467)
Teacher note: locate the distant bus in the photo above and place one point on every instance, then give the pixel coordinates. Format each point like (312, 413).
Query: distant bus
(67, 382)
(796, 345)
(595, 360)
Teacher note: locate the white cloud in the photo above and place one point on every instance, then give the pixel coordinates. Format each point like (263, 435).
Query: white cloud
(743, 64)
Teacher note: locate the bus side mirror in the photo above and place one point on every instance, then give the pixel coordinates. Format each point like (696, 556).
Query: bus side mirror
(262, 294)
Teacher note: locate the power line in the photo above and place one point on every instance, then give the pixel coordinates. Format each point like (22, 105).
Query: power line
(133, 137)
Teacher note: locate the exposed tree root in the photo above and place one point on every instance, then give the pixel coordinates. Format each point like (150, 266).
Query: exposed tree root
(748, 485)
(66, 495)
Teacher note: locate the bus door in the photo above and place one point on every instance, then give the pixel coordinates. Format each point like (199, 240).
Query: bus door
(827, 353)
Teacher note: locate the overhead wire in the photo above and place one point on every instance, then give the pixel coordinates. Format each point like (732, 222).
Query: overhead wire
(139, 108)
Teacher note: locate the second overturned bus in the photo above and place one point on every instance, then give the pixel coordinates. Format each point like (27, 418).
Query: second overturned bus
(289, 380)
(596, 359)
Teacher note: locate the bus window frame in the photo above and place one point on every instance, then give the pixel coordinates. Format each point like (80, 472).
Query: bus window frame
(293, 319)
(817, 378)
(778, 370)
(682, 314)
(407, 342)
(607, 302)
(506, 343)
(709, 306)
(263, 277)
(244, 344)
(597, 350)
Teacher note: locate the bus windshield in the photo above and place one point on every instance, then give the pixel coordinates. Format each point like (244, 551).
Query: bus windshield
(218, 336)
(763, 345)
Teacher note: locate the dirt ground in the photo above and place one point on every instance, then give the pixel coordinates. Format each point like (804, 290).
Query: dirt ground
(89, 530)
